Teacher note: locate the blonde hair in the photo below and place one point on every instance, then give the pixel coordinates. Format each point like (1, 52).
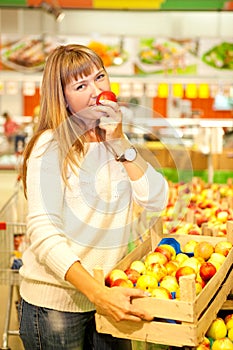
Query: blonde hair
(64, 64)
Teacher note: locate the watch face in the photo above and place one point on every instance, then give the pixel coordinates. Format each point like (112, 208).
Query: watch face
(130, 154)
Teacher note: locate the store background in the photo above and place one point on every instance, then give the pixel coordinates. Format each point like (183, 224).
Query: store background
(207, 22)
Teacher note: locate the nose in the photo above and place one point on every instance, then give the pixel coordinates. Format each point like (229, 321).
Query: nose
(95, 90)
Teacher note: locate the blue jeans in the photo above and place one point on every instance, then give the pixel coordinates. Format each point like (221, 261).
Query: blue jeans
(46, 329)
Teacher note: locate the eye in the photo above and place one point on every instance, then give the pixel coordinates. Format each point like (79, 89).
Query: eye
(80, 87)
(101, 76)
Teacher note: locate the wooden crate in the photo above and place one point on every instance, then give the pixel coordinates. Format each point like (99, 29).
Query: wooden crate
(184, 321)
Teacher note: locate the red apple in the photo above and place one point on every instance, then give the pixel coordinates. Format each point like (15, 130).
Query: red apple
(207, 271)
(121, 282)
(165, 251)
(184, 271)
(132, 274)
(106, 95)
(114, 275)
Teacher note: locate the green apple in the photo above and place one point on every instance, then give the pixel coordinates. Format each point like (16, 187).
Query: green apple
(189, 246)
(218, 258)
(192, 262)
(223, 247)
(181, 257)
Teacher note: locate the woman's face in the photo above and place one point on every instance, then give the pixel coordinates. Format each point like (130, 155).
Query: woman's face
(82, 93)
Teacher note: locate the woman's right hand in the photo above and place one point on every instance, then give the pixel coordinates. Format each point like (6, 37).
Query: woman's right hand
(117, 303)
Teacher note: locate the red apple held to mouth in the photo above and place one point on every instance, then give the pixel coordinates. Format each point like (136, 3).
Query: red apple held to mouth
(207, 271)
(106, 95)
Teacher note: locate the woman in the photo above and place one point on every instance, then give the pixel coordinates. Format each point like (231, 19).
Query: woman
(80, 194)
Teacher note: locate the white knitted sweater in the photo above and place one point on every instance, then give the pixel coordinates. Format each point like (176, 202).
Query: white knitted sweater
(88, 221)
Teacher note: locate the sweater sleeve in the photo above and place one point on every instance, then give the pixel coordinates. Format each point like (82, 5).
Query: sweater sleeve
(45, 191)
(151, 190)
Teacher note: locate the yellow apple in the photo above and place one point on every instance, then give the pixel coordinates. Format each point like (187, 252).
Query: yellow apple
(223, 247)
(171, 249)
(222, 344)
(171, 267)
(147, 283)
(229, 321)
(217, 329)
(139, 266)
(157, 270)
(192, 262)
(203, 250)
(161, 293)
(181, 257)
(170, 283)
(189, 246)
(218, 258)
(155, 257)
(230, 334)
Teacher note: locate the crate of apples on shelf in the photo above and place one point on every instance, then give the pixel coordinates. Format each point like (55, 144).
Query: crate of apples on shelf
(187, 279)
(196, 206)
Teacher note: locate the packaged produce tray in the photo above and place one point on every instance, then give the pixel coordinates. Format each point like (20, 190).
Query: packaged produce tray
(177, 322)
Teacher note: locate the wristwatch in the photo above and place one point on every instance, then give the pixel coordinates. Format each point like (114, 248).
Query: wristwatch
(129, 155)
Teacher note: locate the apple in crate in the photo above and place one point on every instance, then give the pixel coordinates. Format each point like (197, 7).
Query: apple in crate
(192, 262)
(223, 247)
(161, 293)
(203, 250)
(171, 267)
(157, 270)
(147, 283)
(132, 274)
(165, 251)
(170, 283)
(184, 271)
(139, 266)
(121, 282)
(229, 321)
(222, 344)
(181, 257)
(217, 329)
(155, 257)
(230, 334)
(207, 271)
(114, 275)
(168, 247)
(189, 246)
(218, 258)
